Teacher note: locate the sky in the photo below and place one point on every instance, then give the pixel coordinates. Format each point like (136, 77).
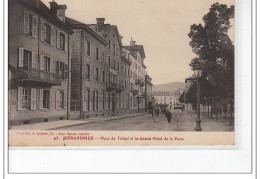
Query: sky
(161, 26)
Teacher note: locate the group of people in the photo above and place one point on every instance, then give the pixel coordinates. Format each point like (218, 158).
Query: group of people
(156, 111)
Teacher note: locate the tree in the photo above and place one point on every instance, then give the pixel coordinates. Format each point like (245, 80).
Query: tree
(181, 98)
(215, 50)
(190, 96)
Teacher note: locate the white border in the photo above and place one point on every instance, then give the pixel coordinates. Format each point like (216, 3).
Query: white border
(180, 161)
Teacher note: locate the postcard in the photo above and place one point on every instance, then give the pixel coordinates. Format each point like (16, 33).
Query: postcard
(121, 73)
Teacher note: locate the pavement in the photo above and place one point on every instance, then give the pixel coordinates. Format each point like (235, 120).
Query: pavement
(181, 121)
(69, 123)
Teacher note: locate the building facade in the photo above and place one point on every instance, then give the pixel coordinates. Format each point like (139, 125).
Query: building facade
(171, 99)
(38, 52)
(148, 92)
(88, 72)
(135, 54)
(117, 83)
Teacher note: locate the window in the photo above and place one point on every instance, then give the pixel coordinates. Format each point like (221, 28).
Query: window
(109, 45)
(109, 61)
(96, 73)
(97, 100)
(61, 102)
(27, 59)
(62, 41)
(88, 71)
(88, 49)
(62, 69)
(125, 70)
(103, 77)
(25, 98)
(94, 101)
(47, 35)
(47, 64)
(61, 99)
(128, 72)
(103, 100)
(30, 24)
(118, 65)
(88, 99)
(96, 54)
(46, 99)
(114, 49)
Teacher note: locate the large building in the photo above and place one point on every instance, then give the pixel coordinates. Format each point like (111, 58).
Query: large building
(60, 68)
(39, 59)
(117, 83)
(171, 99)
(135, 54)
(88, 72)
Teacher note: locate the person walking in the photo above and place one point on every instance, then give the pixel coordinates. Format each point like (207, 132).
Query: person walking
(153, 113)
(157, 112)
(168, 115)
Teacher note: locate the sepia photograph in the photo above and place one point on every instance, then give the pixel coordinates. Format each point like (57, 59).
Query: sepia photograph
(121, 72)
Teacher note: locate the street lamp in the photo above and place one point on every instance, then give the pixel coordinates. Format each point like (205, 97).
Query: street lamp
(197, 68)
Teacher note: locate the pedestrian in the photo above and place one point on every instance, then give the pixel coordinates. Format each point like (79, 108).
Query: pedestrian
(168, 115)
(153, 113)
(157, 112)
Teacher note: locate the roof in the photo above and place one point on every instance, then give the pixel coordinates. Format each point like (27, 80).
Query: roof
(107, 28)
(135, 49)
(43, 11)
(74, 24)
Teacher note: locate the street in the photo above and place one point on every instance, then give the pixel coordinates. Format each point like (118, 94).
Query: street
(180, 122)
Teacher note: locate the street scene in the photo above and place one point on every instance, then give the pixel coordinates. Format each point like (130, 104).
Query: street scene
(181, 121)
(90, 70)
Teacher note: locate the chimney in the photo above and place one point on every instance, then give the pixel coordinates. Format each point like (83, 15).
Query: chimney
(58, 10)
(132, 43)
(100, 23)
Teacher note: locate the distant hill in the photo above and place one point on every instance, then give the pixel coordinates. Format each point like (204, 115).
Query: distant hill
(171, 87)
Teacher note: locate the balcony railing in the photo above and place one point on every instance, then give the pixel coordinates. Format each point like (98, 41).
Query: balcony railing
(141, 95)
(111, 86)
(134, 92)
(36, 75)
(137, 82)
(120, 88)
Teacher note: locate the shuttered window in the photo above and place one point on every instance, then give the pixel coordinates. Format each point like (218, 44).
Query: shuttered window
(30, 25)
(26, 98)
(26, 23)
(45, 99)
